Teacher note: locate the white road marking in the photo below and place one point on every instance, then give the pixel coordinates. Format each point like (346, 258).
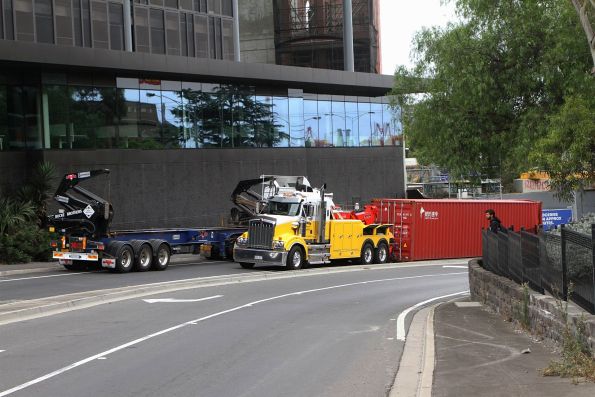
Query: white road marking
(1, 351)
(202, 319)
(52, 275)
(172, 300)
(102, 358)
(455, 266)
(401, 319)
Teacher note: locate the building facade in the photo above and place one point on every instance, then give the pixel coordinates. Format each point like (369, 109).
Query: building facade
(160, 101)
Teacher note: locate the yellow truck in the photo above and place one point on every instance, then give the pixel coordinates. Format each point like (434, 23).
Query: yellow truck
(296, 227)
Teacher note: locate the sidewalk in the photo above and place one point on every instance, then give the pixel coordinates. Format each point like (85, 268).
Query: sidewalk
(477, 353)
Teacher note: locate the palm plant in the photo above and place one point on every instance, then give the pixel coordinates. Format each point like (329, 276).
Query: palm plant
(14, 213)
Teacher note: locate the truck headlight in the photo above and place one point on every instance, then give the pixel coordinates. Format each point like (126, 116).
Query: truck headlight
(278, 245)
(241, 240)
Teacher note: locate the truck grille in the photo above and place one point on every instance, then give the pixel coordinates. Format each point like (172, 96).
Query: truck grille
(260, 233)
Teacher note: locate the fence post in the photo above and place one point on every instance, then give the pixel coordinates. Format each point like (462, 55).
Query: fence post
(523, 278)
(563, 253)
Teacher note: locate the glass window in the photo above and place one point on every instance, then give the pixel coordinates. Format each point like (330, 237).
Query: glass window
(351, 124)
(186, 5)
(86, 23)
(202, 37)
(157, 32)
(4, 138)
(174, 135)
(8, 23)
(212, 120)
(150, 120)
(265, 135)
(1, 21)
(100, 32)
(340, 137)
(227, 32)
(211, 38)
(281, 123)
(183, 37)
(390, 126)
(116, 23)
(227, 7)
(365, 122)
(23, 11)
(92, 117)
(214, 6)
(78, 26)
(311, 120)
(58, 105)
(325, 124)
(173, 33)
(63, 11)
(171, 3)
(44, 24)
(378, 133)
(158, 3)
(32, 125)
(128, 116)
(141, 28)
(296, 121)
(190, 34)
(193, 100)
(14, 135)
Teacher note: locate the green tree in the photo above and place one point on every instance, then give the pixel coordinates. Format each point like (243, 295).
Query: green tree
(490, 83)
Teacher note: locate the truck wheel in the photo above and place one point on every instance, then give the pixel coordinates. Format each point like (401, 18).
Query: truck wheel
(247, 265)
(143, 255)
(124, 258)
(381, 254)
(162, 256)
(295, 259)
(367, 255)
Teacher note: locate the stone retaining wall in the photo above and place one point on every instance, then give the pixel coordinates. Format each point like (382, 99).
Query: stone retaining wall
(541, 314)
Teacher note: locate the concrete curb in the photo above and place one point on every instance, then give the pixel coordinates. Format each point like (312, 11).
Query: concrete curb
(416, 369)
(30, 309)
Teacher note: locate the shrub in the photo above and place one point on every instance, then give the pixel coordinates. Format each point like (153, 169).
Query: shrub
(26, 243)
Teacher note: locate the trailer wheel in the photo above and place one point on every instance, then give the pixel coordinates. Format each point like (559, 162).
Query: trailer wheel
(295, 258)
(143, 255)
(381, 254)
(124, 258)
(367, 255)
(247, 265)
(162, 256)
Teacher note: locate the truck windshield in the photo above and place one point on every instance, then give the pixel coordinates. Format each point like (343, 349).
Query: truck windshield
(286, 208)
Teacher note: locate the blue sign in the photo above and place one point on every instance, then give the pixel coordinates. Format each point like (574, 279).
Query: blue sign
(553, 218)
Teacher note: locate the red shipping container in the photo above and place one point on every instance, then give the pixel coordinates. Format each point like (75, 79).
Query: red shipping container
(440, 229)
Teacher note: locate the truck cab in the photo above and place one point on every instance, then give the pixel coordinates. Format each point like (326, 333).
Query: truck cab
(296, 227)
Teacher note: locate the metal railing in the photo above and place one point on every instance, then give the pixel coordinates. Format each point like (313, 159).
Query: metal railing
(545, 261)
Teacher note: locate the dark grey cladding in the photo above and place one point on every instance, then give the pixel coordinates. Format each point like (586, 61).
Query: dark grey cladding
(189, 69)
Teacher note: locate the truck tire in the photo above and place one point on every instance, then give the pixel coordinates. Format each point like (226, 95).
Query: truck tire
(143, 255)
(124, 258)
(162, 254)
(381, 253)
(295, 258)
(247, 265)
(367, 255)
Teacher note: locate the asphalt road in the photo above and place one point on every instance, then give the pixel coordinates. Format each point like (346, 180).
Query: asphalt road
(320, 335)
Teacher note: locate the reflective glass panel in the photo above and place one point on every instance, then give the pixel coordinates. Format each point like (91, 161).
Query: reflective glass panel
(128, 105)
(265, 135)
(4, 142)
(150, 121)
(281, 123)
(378, 131)
(351, 124)
(325, 125)
(364, 122)
(340, 137)
(296, 119)
(311, 119)
(58, 103)
(193, 100)
(174, 135)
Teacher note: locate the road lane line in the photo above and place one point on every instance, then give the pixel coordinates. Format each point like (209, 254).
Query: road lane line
(401, 334)
(202, 319)
(52, 275)
(172, 300)
(455, 266)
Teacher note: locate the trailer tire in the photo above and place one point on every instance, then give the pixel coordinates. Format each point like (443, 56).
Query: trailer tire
(247, 265)
(295, 258)
(367, 255)
(162, 254)
(381, 253)
(143, 255)
(124, 258)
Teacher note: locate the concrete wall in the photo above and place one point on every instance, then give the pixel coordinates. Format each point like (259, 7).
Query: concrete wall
(169, 188)
(14, 169)
(545, 317)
